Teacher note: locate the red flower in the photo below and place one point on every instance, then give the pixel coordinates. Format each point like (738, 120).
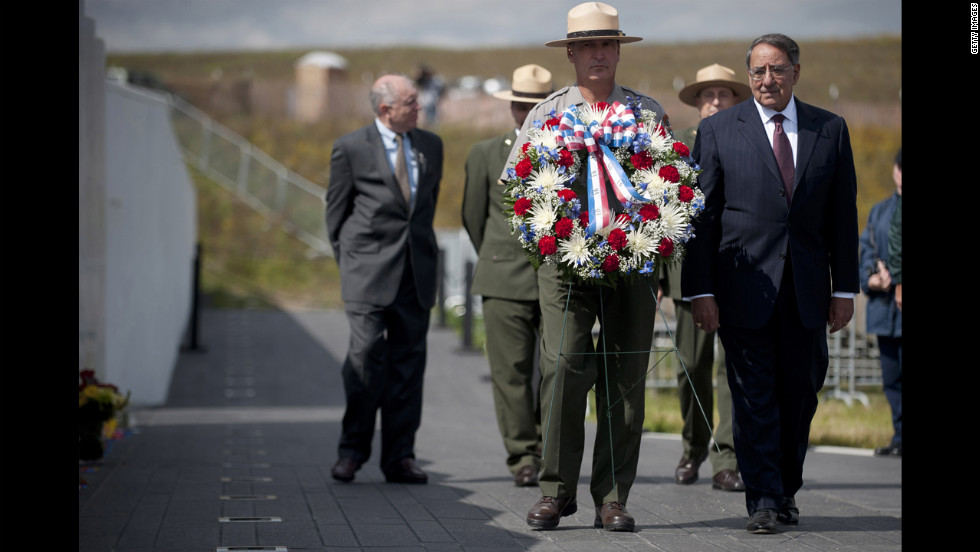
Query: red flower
(685, 193)
(552, 122)
(521, 206)
(642, 160)
(669, 173)
(610, 263)
(617, 239)
(566, 195)
(601, 106)
(565, 158)
(649, 212)
(666, 247)
(524, 168)
(681, 149)
(563, 228)
(583, 219)
(525, 146)
(547, 246)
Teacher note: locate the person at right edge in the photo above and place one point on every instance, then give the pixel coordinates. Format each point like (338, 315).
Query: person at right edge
(592, 46)
(714, 89)
(774, 265)
(884, 319)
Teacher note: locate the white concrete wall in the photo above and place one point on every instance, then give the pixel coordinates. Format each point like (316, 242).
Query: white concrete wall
(91, 197)
(151, 232)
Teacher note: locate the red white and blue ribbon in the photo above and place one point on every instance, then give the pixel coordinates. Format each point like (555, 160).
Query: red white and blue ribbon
(616, 128)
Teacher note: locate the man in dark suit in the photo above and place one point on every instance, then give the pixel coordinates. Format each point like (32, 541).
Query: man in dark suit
(714, 89)
(775, 258)
(508, 283)
(384, 181)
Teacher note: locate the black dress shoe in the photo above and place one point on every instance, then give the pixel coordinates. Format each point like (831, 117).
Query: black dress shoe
(788, 512)
(612, 516)
(548, 511)
(890, 450)
(407, 471)
(762, 522)
(687, 469)
(344, 469)
(526, 477)
(727, 480)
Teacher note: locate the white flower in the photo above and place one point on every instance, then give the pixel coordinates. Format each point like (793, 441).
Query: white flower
(614, 224)
(658, 143)
(655, 185)
(542, 217)
(547, 178)
(643, 242)
(649, 119)
(673, 221)
(574, 250)
(539, 137)
(588, 113)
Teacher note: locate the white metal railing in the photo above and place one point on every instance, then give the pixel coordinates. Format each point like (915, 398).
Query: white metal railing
(263, 183)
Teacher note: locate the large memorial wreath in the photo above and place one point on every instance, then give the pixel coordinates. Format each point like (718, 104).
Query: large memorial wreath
(652, 175)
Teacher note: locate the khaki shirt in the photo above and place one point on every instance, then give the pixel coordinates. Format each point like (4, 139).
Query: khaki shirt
(571, 95)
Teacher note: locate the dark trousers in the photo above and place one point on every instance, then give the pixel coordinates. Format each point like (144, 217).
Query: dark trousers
(774, 373)
(891, 376)
(384, 369)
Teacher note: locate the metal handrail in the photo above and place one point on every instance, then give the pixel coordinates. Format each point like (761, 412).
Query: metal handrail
(200, 138)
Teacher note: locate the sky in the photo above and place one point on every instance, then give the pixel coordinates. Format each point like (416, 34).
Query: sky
(223, 25)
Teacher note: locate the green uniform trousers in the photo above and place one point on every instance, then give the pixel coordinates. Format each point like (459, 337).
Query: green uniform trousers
(512, 329)
(696, 350)
(626, 318)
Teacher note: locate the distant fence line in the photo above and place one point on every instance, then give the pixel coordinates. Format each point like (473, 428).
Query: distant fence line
(297, 206)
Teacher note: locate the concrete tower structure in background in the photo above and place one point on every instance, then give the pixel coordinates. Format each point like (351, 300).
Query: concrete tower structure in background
(321, 79)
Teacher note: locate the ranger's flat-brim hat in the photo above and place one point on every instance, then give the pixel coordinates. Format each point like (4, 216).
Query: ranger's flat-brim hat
(593, 21)
(714, 75)
(530, 84)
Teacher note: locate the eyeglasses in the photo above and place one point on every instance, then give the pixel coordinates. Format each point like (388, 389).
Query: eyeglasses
(777, 72)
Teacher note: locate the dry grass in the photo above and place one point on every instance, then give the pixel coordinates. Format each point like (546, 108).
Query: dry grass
(835, 423)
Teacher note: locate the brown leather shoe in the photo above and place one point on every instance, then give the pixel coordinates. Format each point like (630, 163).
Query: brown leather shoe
(548, 511)
(612, 516)
(727, 480)
(344, 469)
(687, 470)
(407, 471)
(526, 477)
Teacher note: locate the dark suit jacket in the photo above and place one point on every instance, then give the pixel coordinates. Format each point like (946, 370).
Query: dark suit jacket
(369, 224)
(746, 230)
(503, 270)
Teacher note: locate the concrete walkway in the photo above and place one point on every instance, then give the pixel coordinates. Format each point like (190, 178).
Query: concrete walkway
(240, 457)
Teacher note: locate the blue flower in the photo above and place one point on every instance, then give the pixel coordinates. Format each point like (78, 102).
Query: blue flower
(647, 267)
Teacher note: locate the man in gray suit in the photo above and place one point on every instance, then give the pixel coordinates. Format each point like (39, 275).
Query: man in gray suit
(508, 283)
(384, 182)
(774, 263)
